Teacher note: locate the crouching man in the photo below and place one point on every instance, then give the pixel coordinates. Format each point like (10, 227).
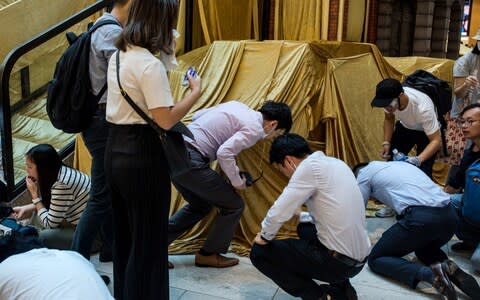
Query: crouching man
(426, 221)
(334, 247)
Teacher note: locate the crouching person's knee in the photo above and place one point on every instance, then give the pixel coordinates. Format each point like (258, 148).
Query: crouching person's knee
(372, 264)
(257, 254)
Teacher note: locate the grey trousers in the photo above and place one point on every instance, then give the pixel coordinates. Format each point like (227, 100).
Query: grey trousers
(203, 189)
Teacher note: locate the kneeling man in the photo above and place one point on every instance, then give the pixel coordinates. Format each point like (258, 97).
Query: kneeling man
(426, 221)
(334, 247)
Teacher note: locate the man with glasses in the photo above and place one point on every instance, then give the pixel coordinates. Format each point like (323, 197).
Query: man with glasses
(221, 133)
(417, 123)
(469, 122)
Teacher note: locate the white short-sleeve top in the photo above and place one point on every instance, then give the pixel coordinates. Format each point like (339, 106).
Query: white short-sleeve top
(420, 112)
(144, 77)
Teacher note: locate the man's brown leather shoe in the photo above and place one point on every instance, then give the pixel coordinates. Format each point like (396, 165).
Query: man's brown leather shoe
(170, 265)
(215, 260)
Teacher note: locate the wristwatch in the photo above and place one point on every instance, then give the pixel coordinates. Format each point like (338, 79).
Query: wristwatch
(36, 200)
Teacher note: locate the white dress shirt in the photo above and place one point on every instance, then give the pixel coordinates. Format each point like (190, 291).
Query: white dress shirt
(327, 187)
(398, 185)
(48, 274)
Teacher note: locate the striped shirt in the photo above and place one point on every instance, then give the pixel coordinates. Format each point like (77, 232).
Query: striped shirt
(69, 198)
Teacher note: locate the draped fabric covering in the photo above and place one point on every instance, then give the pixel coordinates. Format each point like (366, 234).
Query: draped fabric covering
(328, 85)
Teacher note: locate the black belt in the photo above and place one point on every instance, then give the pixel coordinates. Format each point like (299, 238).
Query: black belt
(191, 147)
(345, 259)
(341, 257)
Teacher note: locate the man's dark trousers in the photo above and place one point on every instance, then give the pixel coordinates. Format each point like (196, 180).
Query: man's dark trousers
(422, 230)
(203, 189)
(294, 263)
(98, 213)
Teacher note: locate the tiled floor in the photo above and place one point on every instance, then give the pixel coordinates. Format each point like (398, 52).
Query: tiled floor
(188, 282)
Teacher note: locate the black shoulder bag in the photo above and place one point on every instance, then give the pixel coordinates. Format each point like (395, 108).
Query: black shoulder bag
(172, 140)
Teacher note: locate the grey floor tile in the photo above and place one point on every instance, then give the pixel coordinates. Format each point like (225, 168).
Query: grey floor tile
(240, 282)
(176, 294)
(199, 296)
(282, 295)
(244, 282)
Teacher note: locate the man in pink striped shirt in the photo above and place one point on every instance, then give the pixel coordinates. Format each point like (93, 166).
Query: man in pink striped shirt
(221, 133)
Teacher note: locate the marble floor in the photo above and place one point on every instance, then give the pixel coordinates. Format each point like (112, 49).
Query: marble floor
(188, 282)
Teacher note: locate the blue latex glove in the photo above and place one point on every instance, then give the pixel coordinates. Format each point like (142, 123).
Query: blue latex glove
(414, 160)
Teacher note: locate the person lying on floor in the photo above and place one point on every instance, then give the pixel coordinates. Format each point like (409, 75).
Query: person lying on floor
(332, 249)
(426, 221)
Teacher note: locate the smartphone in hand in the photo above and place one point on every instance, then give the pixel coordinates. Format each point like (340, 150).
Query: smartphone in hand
(192, 72)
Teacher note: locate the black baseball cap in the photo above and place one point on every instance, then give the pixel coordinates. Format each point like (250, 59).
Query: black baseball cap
(387, 90)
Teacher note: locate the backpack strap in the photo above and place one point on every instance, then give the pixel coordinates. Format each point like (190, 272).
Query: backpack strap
(91, 30)
(101, 23)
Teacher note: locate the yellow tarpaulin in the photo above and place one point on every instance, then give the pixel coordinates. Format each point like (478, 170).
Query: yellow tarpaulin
(328, 85)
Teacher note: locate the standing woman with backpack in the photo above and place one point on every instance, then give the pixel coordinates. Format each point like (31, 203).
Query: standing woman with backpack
(59, 196)
(135, 165)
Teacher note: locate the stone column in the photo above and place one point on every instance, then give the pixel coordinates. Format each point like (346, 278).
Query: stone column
(423, 28)
(454, 35)
(407, 28)
(440, 26)
(384, 26)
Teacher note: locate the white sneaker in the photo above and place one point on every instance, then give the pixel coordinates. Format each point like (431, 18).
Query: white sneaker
(385, 212)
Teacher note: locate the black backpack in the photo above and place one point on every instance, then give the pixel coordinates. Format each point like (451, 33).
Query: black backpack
(18, 240)
(70, 101)
(438, 90)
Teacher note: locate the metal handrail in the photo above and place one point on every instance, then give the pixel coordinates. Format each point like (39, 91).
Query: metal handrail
(5, 109)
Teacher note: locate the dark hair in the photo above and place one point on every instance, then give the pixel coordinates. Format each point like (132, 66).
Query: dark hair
(17, 243)
(288, 144)
(274, 111)
(150, 25)
(358, 167)
(119, 2)
(113, 3)
(48, 163)
(469, 107)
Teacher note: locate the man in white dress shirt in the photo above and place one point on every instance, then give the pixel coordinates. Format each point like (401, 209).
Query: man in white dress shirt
(334, 247)
(426, 221)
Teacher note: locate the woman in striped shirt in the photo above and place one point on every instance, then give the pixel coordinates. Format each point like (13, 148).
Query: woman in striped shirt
(59, 195)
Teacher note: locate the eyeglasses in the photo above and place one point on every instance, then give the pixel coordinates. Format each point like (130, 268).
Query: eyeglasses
(468, 122)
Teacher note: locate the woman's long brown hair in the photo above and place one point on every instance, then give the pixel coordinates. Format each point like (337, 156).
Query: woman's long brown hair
(150, 24)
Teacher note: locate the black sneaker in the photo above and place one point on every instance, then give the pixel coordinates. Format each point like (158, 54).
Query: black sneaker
(463, 247)
(106, 279)
(347, 289)
(334, 293)
(462, 279)
(441, 281)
